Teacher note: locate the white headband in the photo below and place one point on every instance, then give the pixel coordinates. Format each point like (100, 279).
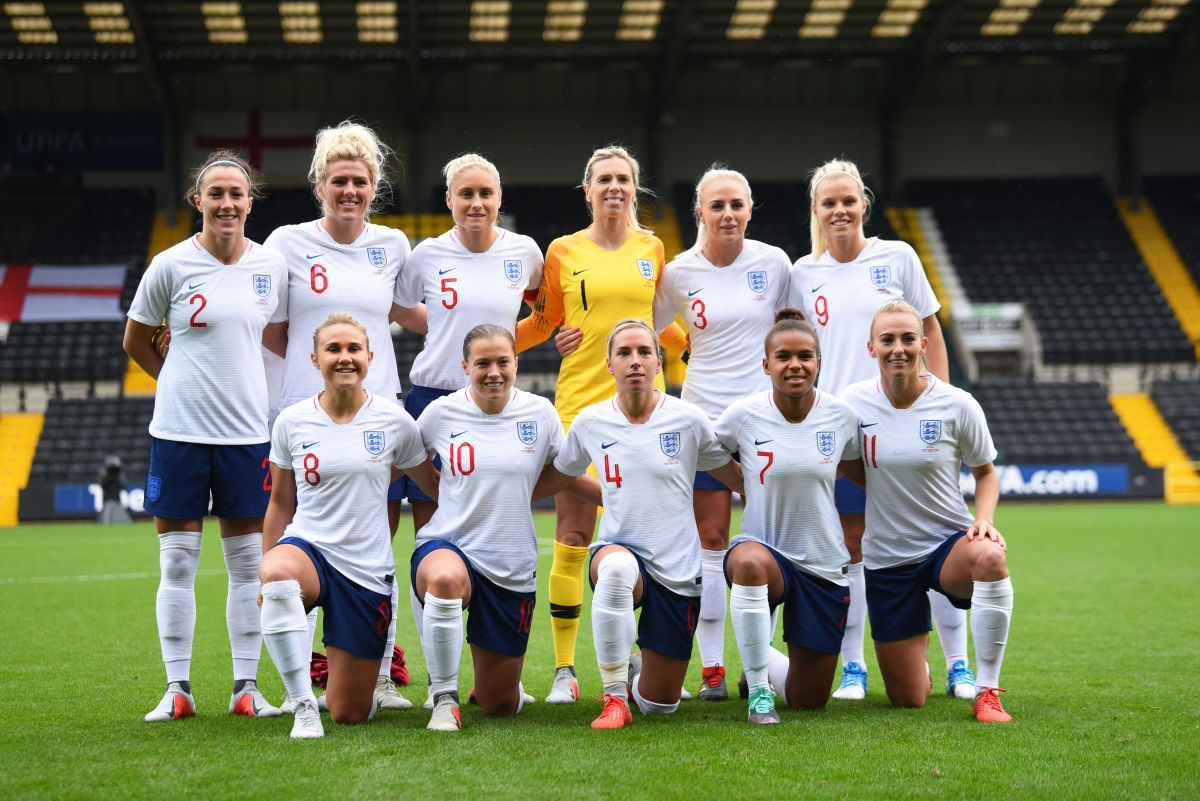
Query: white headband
(857, 180)
(219, 163)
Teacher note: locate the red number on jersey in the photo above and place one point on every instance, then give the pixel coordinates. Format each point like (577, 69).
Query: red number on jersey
(869, 450)
(311, 463)
(457, 467)
(612, 473)
(701, 321)
(318, 279)
(267, 475)
(762, 474)
(446, 288)
(821, 307)
(203, 303)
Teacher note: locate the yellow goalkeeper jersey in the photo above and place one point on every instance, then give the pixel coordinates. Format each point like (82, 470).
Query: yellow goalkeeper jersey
(586, 286)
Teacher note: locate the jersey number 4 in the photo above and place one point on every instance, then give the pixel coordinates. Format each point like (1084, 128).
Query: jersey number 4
(612, 472)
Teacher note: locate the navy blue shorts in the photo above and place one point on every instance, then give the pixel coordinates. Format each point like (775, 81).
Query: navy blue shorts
(414, 403)
(897, 599)
(182, 474)
(668, 620)
(705, 481)
(849, 498)
(356, 619)
(814, 609)
(498, 619)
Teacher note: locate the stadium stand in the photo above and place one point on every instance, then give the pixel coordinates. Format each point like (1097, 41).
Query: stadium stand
(1179, 401)
(1058, 245)
(55, 352)
(545, 212)
(1177, 200)
(87, 226)
(78, 434)
(1034, 423)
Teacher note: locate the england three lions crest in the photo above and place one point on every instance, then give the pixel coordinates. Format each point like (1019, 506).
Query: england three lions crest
(931, 431)
(512, 270)
(881, 275)
(758, 281)
(527, 431)
(374, 442)
(377, 257)
(646, 268)
(262, 284)
(669, 444)
(826, 442)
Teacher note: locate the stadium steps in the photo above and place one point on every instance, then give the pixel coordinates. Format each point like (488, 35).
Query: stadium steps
(137, 380)
(1181, 483)
(1168, 269)
(910, 225)
(18, 441)
(163, 234)
(1150, 432)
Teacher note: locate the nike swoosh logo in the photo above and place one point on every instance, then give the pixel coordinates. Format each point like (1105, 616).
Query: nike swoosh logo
(448, 270)
(459, 434)
(867, 425)
(306, 445)
(758, 442)
(604, 447)
(584, 270)
(196, 286)
(818, 286)
(698, 291)
(322, 253)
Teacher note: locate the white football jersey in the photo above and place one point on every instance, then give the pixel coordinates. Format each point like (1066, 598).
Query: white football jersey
(646, 473)
(789, 471)
(212, 388)
(326, 277)
(342, 476)
(839, 299)
(912, 457)
(461, 290)
(726, 312)
(490, 463)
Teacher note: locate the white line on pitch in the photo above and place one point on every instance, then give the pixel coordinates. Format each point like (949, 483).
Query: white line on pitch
(97, 577)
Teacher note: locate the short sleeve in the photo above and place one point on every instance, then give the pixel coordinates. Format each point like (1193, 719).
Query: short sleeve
(917, 289)
(851, 448)
(710, 453)
(573, 459)
(664, 306)
(281, 286)
(536, 264)
(974, 439)
(427, 423)
(555, 432)
(727, 425)
(281, 449)
(410, 449)
(153, 296)
(409, 279)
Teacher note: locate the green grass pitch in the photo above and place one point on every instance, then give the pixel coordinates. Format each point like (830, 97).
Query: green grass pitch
(1104, 650)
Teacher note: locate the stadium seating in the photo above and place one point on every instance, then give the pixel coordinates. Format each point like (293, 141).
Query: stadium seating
(78, 434)
(1035, 423)
(1058, 245)
(1178, 401)
(545, 212)
(1176, 199)
(82, 226)
(56, 352)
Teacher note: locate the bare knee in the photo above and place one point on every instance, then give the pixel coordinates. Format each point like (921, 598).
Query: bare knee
(990, 564)
(349, 714)
(573, 538)
(503, 705)
(747, 565)
(443, 583)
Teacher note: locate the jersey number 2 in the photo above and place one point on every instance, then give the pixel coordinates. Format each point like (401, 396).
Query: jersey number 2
(203, 303)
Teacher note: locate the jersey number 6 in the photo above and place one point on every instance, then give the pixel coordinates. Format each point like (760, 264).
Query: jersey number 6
(318, 279)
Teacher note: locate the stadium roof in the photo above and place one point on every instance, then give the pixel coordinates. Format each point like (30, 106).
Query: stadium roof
(432, 33)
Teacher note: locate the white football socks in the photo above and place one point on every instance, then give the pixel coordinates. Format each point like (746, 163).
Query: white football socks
(613, 627)
(242, 618)
(175, 603)
(385, 664)
(856, 618)
(443, 641)
(991, 613)
(284, 628)
(650, 707)
(750, 610)
(951, 623)
(710, 629)
(778, 666)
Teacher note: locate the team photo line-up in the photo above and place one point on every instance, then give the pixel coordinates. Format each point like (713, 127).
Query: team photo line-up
(850, 488)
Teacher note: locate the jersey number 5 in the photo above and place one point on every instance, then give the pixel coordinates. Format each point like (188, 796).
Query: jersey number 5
(451, 291)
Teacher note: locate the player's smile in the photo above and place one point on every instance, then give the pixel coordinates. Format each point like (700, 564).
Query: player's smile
(491, 370)
(897, 342)
(342, 355)
(793, 363)
(724, 210)
(347, 190)
(224, 200)
(474, 198)
(838, 206)
(611, 188)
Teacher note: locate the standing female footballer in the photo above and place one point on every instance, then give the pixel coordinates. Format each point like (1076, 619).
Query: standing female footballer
(647, 446)
(839, 286)
(342, 262)
(726, 290)
(479, 550)
(916, 433)
(592, 279)
(326, 538)
(219, 292)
